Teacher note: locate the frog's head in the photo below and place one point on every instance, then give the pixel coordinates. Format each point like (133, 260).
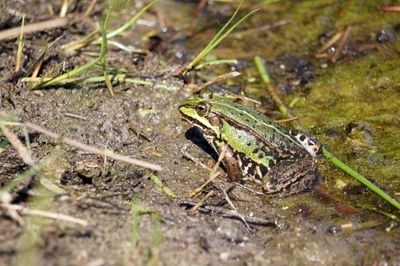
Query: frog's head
(198, 111)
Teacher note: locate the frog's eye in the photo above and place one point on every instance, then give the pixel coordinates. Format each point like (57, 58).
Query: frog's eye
(202, 108)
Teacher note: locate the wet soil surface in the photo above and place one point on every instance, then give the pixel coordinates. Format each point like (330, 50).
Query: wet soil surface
(331, 225)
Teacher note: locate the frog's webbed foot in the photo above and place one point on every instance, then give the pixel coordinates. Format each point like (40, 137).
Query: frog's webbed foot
(288, 177)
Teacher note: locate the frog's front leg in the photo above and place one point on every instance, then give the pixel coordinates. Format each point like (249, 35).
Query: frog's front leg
(230, 161)
(290, 176)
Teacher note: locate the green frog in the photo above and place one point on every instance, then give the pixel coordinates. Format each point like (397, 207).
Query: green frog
(257, 150)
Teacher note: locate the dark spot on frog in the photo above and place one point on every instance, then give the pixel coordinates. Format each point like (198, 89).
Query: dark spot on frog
(273, 182)
(275, 155)
(294, 132)
(302, 137)
(256, 150)
(266, 151)
(261, 155)
(263, 170)
(271, 163)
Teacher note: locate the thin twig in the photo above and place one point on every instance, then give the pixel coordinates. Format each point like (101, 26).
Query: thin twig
(217, 79)
(24, 154)
(389, 8)
(20, 47)
(212, 175)
(229, 214)
(335, 38)
(33, 27)
(206, 197)
(46, 214)
(91, 149)
(75, 116)
(200, 188)
(345, 36)
(90, 8)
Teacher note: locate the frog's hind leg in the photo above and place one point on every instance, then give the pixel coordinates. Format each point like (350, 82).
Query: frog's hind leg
(290, 177)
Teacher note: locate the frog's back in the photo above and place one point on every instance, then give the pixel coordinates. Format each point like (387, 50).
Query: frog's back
(257, 123)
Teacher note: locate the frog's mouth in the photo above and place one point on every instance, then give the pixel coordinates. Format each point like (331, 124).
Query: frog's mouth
(191, 116)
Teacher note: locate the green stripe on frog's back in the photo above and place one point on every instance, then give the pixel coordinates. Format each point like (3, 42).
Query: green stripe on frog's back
(263, 127)
(248, 144)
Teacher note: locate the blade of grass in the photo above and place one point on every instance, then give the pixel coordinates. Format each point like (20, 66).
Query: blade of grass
(137, 211)
(103, 51)
(262, 70)
(217, 62)
(64, 8)
(221, 35)
(132, 21)
(30, 172)
(100, 59)
(78, 70)
(333, 159)
(203, 52)
(66, 75)
(163, 187)
(20, 46)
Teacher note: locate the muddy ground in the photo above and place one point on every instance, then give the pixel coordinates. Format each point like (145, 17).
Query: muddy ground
(351, 105)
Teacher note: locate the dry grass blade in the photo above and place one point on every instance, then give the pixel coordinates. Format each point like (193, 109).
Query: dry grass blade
(344, 38)
(45, 214)
(64, 8)
(335, 38)
(90, 8)
(389, 8)
(206, 197)
(216, 40)
(23, 153)
(20, 46)
(34, 27)
(217, 79)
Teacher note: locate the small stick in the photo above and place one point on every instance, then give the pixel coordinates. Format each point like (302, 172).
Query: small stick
(190, 157)
(64, 8)
(20, 46)
(230, 214)
(389, 8)
(345, 36)
(200, 188)
(206, 197)
(217, 79)
(212, 176)
(335, 38)
(91, 149)
(283, 121)
(46, 214)
(271, 89)
(75, 116)
(34, 27)
(90, 8)
(24, 154)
